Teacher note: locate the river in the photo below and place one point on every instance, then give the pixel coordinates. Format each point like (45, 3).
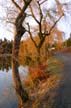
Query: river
(8, 98)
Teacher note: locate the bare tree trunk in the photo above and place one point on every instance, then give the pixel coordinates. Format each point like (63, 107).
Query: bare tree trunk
(21, 93)
(20, 30)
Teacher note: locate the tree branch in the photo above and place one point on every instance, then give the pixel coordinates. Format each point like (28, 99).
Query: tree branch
(17, 6)
(33, 14)
(40, 22)
(41, 15)
(31, 34)
(21, 16)
(55, 24)
(59, 7)
(61, 14)
(42, 41)
(43, 2)
(10, 22)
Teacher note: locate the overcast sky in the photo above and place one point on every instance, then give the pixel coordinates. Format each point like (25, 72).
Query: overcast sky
(63, 25)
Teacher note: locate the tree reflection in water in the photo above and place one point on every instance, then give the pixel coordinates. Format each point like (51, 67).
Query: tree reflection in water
(5, 66)
(5, 63)
(8, 97)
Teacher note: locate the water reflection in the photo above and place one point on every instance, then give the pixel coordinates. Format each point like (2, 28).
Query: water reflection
(8, 98)
(5, 63)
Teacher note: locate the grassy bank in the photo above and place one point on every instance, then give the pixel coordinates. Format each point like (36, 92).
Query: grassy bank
(41, 82)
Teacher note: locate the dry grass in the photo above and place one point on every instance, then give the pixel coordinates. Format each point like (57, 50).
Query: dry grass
(40, 83)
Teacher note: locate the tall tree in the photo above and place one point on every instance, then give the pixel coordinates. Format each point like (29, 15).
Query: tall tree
(20, 30)
(44, 28)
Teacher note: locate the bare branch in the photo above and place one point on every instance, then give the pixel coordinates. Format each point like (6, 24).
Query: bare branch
(59, 7)
(17, 6)
(42, 41)
(31, 35)
(20, 18)
(43, 2)
(10, 22)
(32, 14)
(60, 13)
(55, 24)
(40, 22)
(26, 1)
(41, 15)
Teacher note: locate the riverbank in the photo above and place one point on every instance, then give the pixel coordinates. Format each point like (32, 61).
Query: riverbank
(42, 95)
(39, 88)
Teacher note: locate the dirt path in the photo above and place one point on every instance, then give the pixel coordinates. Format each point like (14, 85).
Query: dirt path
(63, 97)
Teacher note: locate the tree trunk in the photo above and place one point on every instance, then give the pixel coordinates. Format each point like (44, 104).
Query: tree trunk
(21, 93)
(20, 30)
(38, 55)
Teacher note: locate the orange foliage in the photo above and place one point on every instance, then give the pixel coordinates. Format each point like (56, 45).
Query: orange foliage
(38, 72)
(27, 47)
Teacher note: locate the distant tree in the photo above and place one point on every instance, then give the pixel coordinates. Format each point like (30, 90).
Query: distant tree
(0, 41)
(5, 40)
(68, 42)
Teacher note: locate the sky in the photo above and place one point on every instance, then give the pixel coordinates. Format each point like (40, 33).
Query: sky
(5, 31)
(63, 25)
